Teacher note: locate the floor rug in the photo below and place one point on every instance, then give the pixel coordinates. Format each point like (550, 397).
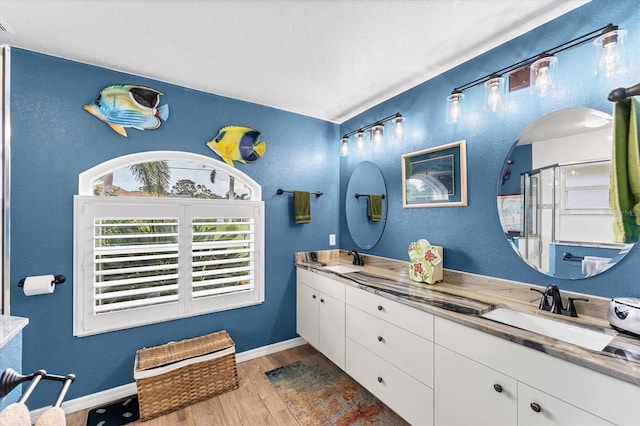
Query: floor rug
(317, 392)
(116, 414)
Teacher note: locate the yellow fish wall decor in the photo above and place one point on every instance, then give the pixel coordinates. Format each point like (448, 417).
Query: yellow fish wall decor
(126, 105)
(237, 143)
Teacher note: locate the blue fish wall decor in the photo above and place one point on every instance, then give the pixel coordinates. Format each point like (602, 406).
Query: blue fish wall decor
(237, 143)
(126, 105)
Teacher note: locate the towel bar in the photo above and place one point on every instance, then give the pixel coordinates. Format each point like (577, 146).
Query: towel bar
(621, 93)
(282, 191)
(366, 195)
(571, 258)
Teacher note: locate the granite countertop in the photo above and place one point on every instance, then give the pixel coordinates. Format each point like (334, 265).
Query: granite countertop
(463, 298)
(10, 327)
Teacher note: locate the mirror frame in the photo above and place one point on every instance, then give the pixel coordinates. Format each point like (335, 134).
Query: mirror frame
(365, 179)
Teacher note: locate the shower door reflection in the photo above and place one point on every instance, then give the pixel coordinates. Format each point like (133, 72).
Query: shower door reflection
(539, 218)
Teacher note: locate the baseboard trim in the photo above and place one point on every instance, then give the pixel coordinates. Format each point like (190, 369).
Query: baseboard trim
(269, 349)
(120, 392)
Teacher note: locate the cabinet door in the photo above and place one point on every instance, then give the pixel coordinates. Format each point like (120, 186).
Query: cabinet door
(331, 328)
(538, 408)
(307, 314)
(469, 393)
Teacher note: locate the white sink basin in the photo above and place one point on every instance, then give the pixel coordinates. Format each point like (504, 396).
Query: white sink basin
(587, 338)
(342, 269)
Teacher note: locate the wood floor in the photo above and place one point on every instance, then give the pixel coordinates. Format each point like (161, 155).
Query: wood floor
(254, 403)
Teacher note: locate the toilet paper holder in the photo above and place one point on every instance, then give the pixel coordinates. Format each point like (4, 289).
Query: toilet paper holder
(58, 279)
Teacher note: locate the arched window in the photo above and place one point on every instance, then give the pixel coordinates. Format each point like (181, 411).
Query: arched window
(168, 174)
(165, 235)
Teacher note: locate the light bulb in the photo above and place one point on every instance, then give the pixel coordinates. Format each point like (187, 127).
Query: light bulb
(344, 148)
(377, 133)
(543, 82)
(399, 130)
(543, 75)
(360, 140)
(608, 60)
(493, 90)
(454, 110)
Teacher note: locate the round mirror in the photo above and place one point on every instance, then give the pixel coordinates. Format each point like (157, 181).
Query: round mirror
(553, 195)
(366, 205)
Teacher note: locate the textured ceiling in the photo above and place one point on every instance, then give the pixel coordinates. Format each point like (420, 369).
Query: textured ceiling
(327, 59)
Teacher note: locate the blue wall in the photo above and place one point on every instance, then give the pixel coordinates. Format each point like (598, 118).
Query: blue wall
(472, 237)
(54, 139)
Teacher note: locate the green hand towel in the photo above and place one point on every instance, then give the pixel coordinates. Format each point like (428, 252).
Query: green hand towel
(634, 159)
(624, 191)
(375, 208)
(302, 206)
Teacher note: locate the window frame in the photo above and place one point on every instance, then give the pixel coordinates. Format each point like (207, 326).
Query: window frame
(88, 207)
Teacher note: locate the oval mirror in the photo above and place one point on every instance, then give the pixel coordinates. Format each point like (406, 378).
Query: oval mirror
(365, 229)
(553, 195)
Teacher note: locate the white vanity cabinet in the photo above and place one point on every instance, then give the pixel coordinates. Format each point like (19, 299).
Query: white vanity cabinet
(320, 314)
(429, 369)
(543, 389)
(389, 350)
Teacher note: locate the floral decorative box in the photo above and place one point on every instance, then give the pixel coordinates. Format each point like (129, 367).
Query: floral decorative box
(425, 262)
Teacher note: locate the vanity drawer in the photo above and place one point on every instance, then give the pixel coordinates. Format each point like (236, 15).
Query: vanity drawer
(407, 351)
(550, 411)
(405, 395)
(406, 317)
(321, 283)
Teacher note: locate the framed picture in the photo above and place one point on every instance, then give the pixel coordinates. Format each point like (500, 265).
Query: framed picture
(510, 212)
(435, 177)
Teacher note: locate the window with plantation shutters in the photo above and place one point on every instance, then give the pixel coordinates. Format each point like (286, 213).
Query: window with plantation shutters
(141, 260)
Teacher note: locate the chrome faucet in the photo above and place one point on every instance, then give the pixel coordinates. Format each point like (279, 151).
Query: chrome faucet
(556, 306)
(357, 259)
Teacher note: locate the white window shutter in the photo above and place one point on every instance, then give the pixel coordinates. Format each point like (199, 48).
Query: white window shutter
(148, 260)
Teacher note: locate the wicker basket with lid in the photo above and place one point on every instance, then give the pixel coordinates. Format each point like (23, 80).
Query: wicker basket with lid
(177, 374)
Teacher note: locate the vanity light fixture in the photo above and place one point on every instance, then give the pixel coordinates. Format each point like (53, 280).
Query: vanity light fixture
(344, 148)
(454, 109)
(543, 75)
(359, 140)
(493, 88)
(399, 132)
(540, 70)
(377, 133)
(608, 49)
